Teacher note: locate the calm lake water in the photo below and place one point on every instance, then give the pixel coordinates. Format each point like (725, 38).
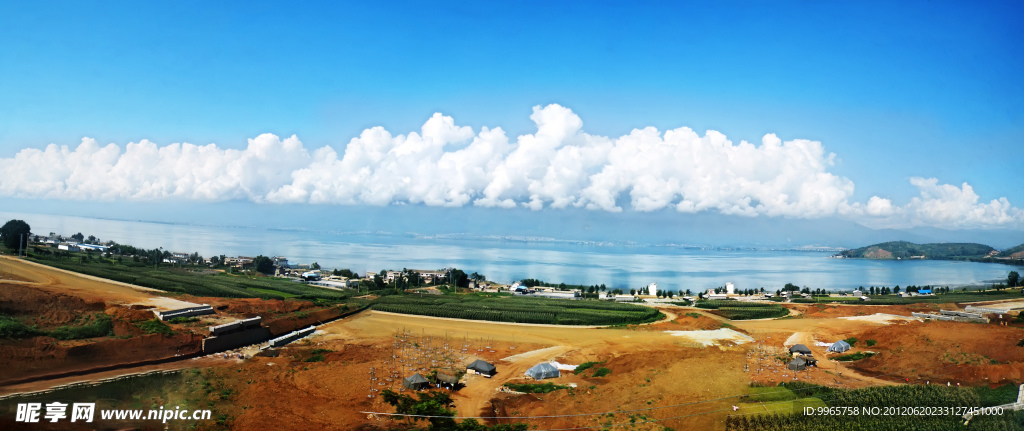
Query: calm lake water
(506, 260)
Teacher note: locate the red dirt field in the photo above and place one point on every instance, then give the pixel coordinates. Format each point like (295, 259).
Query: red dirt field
(42, 307)
(251, 307)
(937, 351)
(47, 298)
(44, 355)
(647, 366)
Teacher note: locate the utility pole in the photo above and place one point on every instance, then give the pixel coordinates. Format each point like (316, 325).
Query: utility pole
(21, 241)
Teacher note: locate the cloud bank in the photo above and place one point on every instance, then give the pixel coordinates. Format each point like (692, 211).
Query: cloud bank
(558, 166)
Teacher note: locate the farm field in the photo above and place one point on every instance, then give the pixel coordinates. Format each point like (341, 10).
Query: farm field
(520, 310)
(54, 321)
(735, 310)
(192, 281)
(953, 297)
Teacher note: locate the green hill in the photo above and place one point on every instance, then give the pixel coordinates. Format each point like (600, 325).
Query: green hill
(909, 250)
(1012, 251)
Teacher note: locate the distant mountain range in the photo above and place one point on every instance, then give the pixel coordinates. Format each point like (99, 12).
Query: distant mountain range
(945, 250)
(569, 225)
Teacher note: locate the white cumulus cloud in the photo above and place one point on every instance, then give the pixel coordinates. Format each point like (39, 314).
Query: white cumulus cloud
(947, 205)
(557, 166)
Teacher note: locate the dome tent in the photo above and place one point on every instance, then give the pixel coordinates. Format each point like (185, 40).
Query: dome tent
(543, 371)
(839, 346)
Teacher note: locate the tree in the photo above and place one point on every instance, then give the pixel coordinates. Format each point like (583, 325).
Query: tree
(347, 273)
(263, 264)
(14, 232)
(458, 277)
(78, 237)
(437, 405)
(1012, 279)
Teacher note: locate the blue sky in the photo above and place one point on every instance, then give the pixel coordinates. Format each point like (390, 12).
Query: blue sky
(895, 91)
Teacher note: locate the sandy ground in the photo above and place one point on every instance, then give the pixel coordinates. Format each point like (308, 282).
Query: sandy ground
(86, 286)
(647, 365)
(882, 318)
(655, 359)
(713, 338)
(1006, 306)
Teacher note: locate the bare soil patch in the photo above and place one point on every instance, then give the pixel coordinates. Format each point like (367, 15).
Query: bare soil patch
(937, 351)
(43, 307)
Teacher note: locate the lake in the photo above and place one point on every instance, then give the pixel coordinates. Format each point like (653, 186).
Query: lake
(508, 259)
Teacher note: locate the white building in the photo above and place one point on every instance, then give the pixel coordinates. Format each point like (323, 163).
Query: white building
(730, 289)
(391, 276)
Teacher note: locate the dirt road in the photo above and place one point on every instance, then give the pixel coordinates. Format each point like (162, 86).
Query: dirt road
(86, 286)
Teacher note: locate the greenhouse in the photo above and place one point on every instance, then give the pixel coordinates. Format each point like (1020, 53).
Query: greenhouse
(543, 371)
(839, 346)
(798, 364)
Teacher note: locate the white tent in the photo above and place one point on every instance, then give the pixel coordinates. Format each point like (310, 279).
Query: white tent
(839, 346)
(543, 371)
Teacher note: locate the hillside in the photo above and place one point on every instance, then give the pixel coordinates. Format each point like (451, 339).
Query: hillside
(1015, 252)
(909, 250)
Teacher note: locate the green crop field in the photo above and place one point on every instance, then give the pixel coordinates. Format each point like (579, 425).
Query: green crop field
(736, 310)
(519, 310)
(782, 408)
(185, 280)
(715, 304)
(937, 299)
